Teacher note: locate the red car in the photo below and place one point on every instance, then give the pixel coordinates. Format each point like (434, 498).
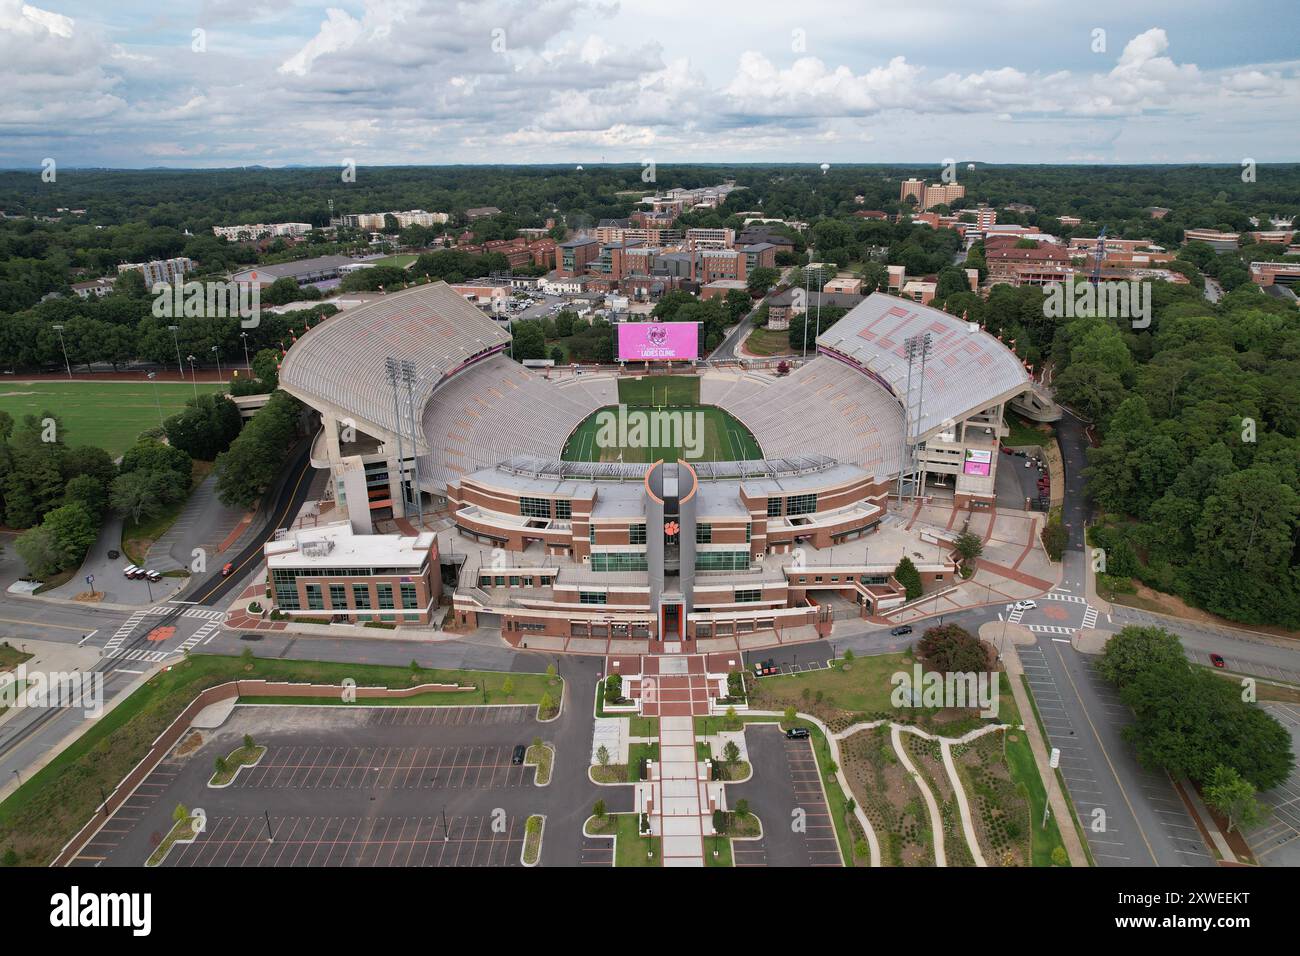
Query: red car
(1217, 661)
(226, 569)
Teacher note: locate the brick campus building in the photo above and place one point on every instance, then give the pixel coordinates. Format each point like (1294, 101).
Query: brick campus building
(671, 551)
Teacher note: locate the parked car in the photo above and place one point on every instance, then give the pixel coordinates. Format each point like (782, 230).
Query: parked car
(796, 733)
(1024, 605)
(113, 555)
(1218, 661)
(517, 757)
(152, 575)
(132, 571)
(901, 630)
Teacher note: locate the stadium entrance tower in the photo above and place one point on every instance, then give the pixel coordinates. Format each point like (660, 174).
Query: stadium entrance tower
(670, 500)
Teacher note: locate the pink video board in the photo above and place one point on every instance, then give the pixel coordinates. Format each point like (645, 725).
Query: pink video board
(978, 461)
(658, 341)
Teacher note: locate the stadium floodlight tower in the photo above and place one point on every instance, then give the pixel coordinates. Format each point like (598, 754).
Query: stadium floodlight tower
(917, 348)
(392, 366)
(409, 377)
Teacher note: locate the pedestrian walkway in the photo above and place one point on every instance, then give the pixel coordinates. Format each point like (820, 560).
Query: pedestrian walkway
(681, 799)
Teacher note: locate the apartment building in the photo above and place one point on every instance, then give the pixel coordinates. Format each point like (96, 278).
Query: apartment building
(573, 256)
(933, 194)
(156, 271)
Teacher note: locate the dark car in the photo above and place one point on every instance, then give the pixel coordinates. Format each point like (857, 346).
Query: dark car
(1218, 661)
(901, 630)
(518, 756)
(114, 555)
(796, 733)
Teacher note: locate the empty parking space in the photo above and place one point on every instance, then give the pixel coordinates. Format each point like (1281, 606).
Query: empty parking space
(786, 794)
(250, 840)
(383, 768)
(399, 716)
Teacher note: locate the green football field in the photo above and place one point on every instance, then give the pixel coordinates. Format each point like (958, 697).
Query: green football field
(109, 415)
(670, 405)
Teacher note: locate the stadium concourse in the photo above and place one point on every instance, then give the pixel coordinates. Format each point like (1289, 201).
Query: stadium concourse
(657, 554)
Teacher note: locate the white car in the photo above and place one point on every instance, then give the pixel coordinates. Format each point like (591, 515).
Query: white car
(1024, 605)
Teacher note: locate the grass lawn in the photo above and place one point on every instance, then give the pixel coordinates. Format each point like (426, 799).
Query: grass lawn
(635, 754)
(638, 726)
(400, 261)
(673, 391)
(769, 342)
(40, 816)
(138, 537)
(11, 657)
(1024, 771)
(863, 692)
(109, 415)
(630, 847)
(1025, 432)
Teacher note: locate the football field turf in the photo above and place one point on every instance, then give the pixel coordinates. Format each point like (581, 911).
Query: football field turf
(109, 415)
(670, 402)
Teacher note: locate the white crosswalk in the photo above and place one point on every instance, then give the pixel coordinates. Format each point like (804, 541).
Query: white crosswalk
(138, 654)
(1049, 629)
(202, 613)
(1015, 615)
(1061, 596)
(1089, 618)
(202, 635)
(123, 632)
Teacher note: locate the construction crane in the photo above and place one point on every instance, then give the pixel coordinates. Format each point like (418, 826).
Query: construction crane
(1098, 255)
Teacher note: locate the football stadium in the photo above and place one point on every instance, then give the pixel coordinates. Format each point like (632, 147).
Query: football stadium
(661, 502)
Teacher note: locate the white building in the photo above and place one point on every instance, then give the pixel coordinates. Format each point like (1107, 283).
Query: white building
(160, 270)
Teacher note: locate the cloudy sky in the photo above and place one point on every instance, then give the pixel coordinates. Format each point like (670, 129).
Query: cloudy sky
(276, 82)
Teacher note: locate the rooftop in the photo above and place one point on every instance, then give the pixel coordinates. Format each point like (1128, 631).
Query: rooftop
(336, 546)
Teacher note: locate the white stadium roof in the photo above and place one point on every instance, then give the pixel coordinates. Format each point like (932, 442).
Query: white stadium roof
(967, 369)
(340, 364)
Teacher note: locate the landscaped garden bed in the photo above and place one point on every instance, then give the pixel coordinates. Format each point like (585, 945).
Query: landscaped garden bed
(888, 796)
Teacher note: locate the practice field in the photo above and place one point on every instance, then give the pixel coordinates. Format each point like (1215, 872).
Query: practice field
(661, 417)
(109, 415)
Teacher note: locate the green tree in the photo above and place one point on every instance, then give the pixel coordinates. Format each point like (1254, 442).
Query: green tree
(1234, 796)
(906, 574)
(205, 427)
(1135, 649)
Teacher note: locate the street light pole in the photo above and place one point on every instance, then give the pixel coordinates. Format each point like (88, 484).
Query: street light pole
(248, 366)
(216, 351)
(193, 378)
(63, 345)
(176, 340)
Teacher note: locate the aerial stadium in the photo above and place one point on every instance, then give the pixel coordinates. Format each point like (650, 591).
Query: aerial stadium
(548, 531)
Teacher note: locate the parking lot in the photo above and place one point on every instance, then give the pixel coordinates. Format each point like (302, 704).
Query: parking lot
(342, 786)
(786, 794)
(1130, 816)
(250, 840)
(1276, 841)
